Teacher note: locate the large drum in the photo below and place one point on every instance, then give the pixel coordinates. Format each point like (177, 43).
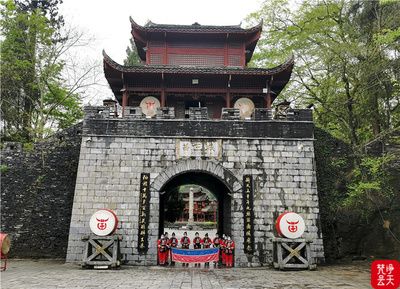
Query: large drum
(290, 225)
(245, 106)
(5, 244)
(104, 222)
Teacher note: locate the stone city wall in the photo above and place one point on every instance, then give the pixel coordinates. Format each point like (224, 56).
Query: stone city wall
(115, 152)
(37, 190)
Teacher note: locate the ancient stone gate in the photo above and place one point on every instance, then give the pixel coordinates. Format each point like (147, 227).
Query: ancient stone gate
(117, 154)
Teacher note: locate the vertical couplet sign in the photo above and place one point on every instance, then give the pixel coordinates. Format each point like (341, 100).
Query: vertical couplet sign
(248, 213)
(144, 208)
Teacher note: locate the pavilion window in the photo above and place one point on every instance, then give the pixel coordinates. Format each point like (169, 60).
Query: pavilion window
(235, 60)
(156, 58)
(196, 60)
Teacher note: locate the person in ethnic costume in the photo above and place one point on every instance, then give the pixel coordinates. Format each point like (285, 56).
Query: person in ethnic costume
(229, 249)
(173, 243)
(206, 244)
(185, 242)
(168, 248)
(223, 251)
(197, 245)
(162, 250)
(217, 244)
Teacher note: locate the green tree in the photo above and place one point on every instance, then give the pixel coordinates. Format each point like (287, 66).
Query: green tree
(348, 67)
(132, 56)
(35, 100)
(342, 67)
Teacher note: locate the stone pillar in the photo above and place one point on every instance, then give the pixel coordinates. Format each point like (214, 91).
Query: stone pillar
(191, 219)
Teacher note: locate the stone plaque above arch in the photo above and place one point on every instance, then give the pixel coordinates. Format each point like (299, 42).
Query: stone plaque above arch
(206, 148)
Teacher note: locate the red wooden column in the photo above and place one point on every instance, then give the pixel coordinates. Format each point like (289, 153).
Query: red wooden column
(124, 100)
(162, 97)
(228, 98)
(165, 57)
(162, 91)
(268, 97)
(226, 62)
(148, 52)
(228, 93)
(268, 101)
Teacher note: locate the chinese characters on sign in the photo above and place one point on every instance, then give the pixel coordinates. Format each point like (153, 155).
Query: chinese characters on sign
(385, 274)
(248, 214)
(144, 206)
(198, 148)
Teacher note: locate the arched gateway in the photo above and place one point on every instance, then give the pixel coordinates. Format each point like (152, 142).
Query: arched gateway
(195, 114)
(208, 174)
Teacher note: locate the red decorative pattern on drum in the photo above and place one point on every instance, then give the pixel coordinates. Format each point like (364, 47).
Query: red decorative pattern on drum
(103, 222)
(290, 225)
(5, 244)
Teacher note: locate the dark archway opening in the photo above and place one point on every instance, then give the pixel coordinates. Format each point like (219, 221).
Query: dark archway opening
(172, 203)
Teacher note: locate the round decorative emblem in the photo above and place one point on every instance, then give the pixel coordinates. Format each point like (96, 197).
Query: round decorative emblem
(290, 225)
(103, 223)
(149, 105)
(246, 107)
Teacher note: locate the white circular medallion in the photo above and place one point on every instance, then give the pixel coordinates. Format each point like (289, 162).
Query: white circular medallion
(103, 222)
(290, 225)
(246, 107)
(149, 105)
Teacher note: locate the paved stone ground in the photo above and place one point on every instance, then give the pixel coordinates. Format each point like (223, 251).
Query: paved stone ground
(55, 274)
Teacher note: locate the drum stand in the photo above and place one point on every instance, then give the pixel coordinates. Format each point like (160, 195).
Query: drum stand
(292, 254)
(102, 252)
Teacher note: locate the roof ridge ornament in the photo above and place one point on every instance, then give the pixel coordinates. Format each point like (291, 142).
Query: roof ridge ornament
(149, 23)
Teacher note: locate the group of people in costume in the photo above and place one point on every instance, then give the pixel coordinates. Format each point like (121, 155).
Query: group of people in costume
(225, 244)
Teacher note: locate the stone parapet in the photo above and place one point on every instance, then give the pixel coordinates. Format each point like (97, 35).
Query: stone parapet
(165, 113)
(230, 113)
(200, 128)
(262, 114)
(198, 113)
(132, 112)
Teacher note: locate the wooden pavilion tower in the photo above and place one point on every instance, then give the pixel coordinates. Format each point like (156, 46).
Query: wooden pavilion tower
(194, 65)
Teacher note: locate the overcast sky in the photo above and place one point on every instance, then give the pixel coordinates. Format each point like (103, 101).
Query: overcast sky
(108, 21)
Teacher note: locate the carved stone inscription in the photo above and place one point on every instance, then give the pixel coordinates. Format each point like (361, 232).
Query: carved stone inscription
(198, 148)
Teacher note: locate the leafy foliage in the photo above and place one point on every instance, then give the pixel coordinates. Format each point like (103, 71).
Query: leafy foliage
(35, 100)
(370, 187)
(348, 67)
(347, 62)
(132, 56)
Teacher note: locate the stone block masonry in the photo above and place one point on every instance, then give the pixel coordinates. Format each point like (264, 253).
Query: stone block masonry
(115, 152)
(37, 191)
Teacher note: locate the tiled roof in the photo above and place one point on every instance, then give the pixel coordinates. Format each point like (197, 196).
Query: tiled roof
(286, 66)
(195, 27)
